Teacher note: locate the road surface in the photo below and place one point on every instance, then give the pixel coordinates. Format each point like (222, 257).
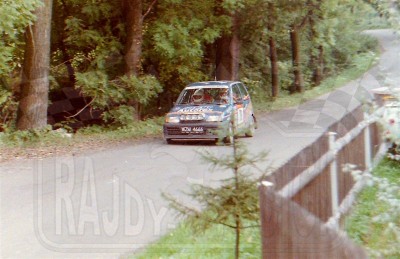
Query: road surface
(107, 204)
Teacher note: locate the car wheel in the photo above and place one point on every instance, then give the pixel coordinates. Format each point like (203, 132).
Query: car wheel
(169, 141)
(252, 128)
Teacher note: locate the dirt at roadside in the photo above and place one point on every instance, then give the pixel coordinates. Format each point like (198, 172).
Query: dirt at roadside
(9, 154)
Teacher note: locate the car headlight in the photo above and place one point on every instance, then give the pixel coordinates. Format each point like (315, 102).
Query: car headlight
(192, 117)
(171, 119)
(214, 118)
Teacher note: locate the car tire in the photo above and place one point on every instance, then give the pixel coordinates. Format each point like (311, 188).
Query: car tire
(252, 127)
(169, 141)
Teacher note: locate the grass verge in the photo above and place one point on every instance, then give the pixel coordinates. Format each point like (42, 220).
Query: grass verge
(214, 243)
(360, 64)
(361, 225)
(48, 143)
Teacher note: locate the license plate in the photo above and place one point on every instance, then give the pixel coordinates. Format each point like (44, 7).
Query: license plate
(195, 130)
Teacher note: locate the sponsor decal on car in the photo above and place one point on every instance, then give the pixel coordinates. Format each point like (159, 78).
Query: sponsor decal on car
(196, 109)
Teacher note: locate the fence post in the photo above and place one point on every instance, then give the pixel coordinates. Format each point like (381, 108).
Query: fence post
(334, 175)
(367, 144)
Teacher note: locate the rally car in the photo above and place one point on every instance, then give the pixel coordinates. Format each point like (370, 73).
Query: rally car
(212, 110)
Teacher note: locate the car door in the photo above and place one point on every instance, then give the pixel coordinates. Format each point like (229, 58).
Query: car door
(247, 105)
(238, 103)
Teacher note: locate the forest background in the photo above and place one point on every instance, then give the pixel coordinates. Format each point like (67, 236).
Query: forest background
(129, 59)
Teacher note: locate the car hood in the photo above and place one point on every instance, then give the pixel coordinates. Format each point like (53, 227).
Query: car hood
(199, 108)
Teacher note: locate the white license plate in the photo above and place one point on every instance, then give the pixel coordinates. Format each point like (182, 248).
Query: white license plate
(192, 130)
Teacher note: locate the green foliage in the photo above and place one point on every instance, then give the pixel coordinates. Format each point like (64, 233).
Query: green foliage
(233, 5)
(357, 68)
(33, 138)
(374, 222)
(121, 115)
(141, 88)
(214, 243)
(88, 34)
(116, 95)
(175, 43)
(95, 84)
(140, 129)
(179, 45)
(341, 41)
(15, 16)
(8, 107)
(388, 9)
(234, 202)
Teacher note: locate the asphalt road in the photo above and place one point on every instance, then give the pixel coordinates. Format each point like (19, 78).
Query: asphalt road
(107, 204)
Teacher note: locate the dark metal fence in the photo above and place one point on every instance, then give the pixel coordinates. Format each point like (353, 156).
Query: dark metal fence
(301, 213)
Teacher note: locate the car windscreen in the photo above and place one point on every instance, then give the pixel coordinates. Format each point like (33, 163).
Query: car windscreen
(200, 96)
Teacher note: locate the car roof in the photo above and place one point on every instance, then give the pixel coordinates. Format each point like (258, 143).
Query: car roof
(211, 84)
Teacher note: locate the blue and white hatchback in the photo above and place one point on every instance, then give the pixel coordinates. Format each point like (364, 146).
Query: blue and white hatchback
(211, 110)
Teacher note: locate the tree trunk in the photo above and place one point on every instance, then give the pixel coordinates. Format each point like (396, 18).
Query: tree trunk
(237, 239)
(133, 46)
(273, 54)
(318, 73)
(274, 67)
(134, 40)
(228, 53)
(32, 109)
(298, 84)
(316, 60)
(66, 57)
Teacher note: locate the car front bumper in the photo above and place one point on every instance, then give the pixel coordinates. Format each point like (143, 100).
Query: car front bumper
(190, 131)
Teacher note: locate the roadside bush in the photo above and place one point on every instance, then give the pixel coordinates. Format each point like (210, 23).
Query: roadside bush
(120, 98)
(375, 220)
(42, 137)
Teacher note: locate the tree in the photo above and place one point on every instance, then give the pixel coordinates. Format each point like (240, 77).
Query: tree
(228, 45)
(317, 52)
(178, 42)
(228, 52)
(298, 83)
(133, 13)
(299, 22)
(32, 110)
(134, 16)
(306, 16)
(14, 17)
(59, 38)
(273, 53)
(235, 202)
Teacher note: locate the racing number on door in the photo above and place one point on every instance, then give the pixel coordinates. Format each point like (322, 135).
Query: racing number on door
(240, 118)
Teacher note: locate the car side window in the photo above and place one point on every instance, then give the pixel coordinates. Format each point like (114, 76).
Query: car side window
(244, 91)
(236, 94)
